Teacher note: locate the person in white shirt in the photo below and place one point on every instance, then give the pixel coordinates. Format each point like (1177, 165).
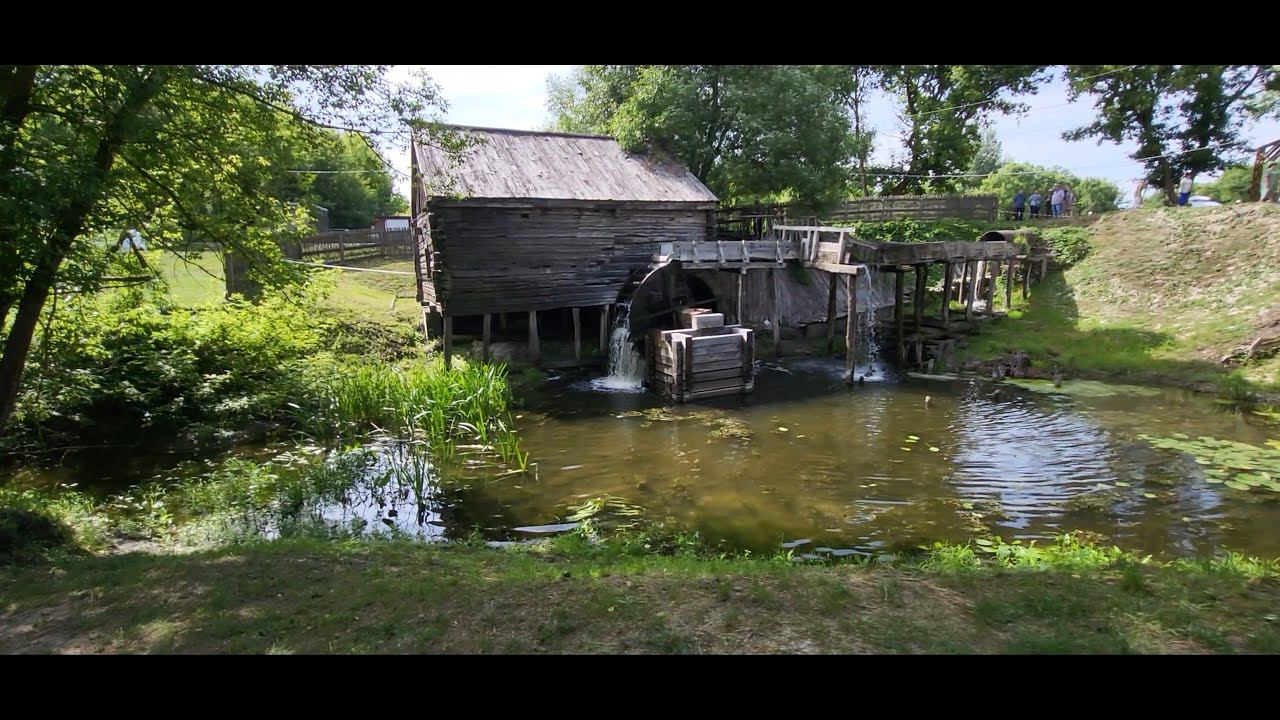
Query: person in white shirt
(1055, 201)
(1184, 189)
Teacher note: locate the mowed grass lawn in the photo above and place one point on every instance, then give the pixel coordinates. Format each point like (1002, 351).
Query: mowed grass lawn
(379, 297)
(313, 596)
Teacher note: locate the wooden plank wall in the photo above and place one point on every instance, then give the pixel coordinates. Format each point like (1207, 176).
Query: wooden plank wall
(487, 259)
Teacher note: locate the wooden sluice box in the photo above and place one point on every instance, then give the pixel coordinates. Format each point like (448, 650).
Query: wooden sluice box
(704, 358)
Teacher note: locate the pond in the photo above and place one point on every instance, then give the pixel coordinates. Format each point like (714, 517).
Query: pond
(812, 463)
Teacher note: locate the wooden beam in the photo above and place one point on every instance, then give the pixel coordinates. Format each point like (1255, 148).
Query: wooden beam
(426, 324)
(971, 272)
(850, 323)
(484, 343)
(535, 352)
(993, 270)
(946, 293)
(900, 340)
(604, 330)
(737, 290)
(1026, 278)
(1008, 287)
(448, 341)
(831, 311)
(774, 312)
(577, 336)
(917, 301)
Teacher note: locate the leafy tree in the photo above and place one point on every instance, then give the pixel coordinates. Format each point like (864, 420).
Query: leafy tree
(751, 133)
(1184, 118)
(990, 152)
(89, 151)
(1231, 186)
(353, 181)
(941, 108)
(1092, 194)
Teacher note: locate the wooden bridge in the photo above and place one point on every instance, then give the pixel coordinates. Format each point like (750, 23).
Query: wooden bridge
(837, 251)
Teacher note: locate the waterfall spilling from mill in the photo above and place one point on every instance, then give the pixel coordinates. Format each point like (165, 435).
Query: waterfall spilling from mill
(626, 367)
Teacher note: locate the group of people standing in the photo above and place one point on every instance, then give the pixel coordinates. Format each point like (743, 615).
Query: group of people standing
(1061, 201)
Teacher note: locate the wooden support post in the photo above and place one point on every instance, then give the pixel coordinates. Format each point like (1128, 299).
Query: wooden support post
(737, 290)
(946, 294)
(484, 341)
(1026, 278)
(1008, 287)
(426, 324)
(448, 341)
(342, 254)
(535, 352)
(577, 336)
(669, 292)
(850, 324)
(831, 311)
(992, 269)
(1044, 268)
(774, 311)
(971, 270)
(604, 330)
(900, 340)
(917, 301)
(991, 288)
(688, 364)
(502, 323)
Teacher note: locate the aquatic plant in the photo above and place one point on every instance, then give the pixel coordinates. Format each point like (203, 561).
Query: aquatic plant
(1236, 465)
(1069, 551)
(425, 403)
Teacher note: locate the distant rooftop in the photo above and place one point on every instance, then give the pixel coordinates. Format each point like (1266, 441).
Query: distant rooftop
(510, 163)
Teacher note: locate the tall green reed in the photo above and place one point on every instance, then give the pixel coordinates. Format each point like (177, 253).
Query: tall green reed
(426, 404)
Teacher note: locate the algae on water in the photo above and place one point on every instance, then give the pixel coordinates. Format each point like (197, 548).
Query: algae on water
(1082, 388)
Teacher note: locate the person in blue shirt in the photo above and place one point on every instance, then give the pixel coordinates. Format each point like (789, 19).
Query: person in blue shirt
(1018, 203)
(1035, 204)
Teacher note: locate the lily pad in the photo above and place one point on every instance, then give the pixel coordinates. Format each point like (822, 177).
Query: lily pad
(1082, 388)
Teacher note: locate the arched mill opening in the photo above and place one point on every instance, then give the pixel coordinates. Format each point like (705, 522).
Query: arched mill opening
(659, 299)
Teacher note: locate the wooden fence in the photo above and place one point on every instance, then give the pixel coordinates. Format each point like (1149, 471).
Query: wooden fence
(916, 207)
(356, 244)
(758, 220)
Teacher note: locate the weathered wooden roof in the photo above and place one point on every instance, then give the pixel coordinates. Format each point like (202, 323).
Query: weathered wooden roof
(550, 165)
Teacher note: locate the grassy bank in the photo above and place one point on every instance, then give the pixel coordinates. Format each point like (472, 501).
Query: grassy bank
(1160, 297)
(308, 596)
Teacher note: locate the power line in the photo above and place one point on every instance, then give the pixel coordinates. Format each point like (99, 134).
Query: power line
(988, 102)
(1039, 172)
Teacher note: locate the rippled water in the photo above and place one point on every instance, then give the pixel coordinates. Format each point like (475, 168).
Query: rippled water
(886, 464)
(845, 472)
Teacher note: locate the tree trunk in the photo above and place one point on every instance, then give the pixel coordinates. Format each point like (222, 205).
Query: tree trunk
(68, 226)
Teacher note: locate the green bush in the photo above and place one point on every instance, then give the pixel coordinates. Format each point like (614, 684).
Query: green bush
(909, 230)
(1070, 245)
(133, 363)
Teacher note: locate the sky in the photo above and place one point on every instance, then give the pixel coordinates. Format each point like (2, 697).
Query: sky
(514, 96)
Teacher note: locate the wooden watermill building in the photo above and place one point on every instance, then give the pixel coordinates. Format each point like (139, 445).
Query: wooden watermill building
(529, 221)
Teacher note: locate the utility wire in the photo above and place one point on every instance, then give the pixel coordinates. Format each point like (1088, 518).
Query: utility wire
(988, 102)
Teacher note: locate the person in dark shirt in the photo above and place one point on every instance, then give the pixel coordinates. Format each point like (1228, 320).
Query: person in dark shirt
(1019, 201)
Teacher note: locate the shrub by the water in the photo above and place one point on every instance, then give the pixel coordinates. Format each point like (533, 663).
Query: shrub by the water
(1070, 245)
(117, 367)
